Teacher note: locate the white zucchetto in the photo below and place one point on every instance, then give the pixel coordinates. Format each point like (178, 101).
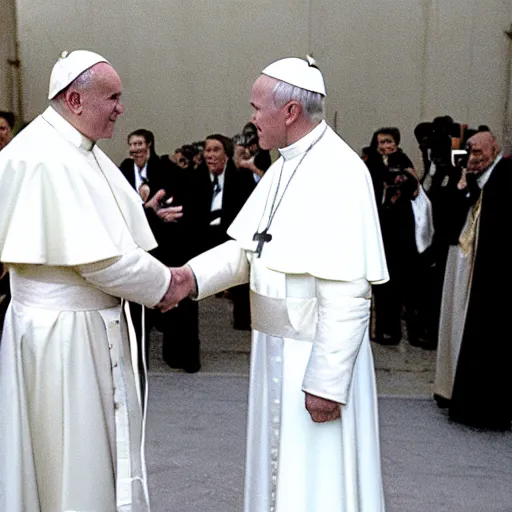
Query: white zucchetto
(69, 67)
(298, 72)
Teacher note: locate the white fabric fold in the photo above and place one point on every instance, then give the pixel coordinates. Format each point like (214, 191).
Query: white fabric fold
(136, 276)
(68, 207)
(423, 221)
(343, 314)
(220, 268)
(327, 224)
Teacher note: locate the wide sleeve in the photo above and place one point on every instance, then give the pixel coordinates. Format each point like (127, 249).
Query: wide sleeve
(343, 317)
(136, 276)
(220, 268)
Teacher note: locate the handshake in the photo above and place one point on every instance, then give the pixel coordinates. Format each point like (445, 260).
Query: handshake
(183, 285)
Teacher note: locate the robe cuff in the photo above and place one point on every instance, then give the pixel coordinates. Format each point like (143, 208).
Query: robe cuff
(136, 276)
(220, 268)
(343, 322)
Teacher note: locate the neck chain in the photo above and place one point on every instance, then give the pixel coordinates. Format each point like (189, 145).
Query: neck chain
(264, 236)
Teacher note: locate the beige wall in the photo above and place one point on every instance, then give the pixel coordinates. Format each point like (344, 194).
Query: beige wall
(188, 66)
(7, 52)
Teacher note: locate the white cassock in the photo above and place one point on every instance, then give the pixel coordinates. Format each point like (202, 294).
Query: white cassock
(74, 236)
(310, 304)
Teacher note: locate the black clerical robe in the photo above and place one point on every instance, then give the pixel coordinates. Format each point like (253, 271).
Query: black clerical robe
(482, 392)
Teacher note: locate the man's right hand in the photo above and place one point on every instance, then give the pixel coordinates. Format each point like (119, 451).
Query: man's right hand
(169, 214)
(183, 284)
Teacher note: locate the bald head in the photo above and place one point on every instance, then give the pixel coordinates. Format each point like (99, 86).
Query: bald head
(482, 149)
(92, 102)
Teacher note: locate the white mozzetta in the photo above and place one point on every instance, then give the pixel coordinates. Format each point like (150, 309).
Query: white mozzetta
(61, 208)
(327, 223)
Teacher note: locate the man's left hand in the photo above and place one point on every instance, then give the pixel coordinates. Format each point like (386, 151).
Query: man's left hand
(322, 409)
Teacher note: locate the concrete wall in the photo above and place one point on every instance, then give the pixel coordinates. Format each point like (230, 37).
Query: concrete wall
(187, 66)
(8, 98)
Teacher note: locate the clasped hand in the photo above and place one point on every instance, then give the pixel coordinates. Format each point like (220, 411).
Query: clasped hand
(183, 284)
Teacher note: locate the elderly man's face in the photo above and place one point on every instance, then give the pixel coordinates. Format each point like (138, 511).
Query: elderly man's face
(5, 133)
(269, 120)
(139, 150)
(215, 156)
(101, 103)
(482, 150)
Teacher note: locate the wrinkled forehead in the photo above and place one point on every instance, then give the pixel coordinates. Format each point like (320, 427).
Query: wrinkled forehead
(214, 144)
(480, 142)
(264, 85)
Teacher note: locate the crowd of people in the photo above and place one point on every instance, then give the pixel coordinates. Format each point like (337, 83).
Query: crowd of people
(444, 247)
(207, 182)
(312, 239)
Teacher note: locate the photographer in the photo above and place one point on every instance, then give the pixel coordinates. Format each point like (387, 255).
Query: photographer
(406, 225)
(253, 158)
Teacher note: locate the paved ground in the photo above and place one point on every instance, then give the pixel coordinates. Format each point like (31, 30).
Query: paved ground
(402, 370)
(196, 447)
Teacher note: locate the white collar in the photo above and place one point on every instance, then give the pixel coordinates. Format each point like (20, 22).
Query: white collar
(66, 129)
(482, 180)
(141, 170)
(299, 147)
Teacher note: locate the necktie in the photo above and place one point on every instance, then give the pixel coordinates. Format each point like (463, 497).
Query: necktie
(216, 185)
(467, 237)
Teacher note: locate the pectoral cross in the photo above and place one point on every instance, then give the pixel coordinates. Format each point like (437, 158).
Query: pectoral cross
(261, 238)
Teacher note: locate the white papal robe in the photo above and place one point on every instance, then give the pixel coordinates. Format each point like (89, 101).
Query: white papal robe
(310, 307)
(74, 237)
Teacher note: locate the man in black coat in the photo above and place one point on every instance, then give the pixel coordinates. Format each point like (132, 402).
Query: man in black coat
(220, 190)
(473, 372)
(148, 174)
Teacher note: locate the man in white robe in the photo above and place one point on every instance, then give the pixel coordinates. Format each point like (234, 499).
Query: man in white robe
(74, 237)
(309, 243)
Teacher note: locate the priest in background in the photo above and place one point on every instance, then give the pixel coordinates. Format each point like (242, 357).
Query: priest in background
(473, 376)
(308, 241)
(74, 237)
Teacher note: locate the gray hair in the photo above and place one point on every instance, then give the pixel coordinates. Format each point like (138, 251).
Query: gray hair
(312, 103)
(81, 82)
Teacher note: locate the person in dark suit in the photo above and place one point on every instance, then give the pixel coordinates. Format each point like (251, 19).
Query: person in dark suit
(220, 191)
(148, 174)
(395, 185)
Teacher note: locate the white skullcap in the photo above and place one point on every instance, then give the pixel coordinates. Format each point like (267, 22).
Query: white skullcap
(70, 66)
(298, 72)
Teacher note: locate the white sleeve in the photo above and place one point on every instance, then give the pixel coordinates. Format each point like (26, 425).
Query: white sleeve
(220, 268)
(136, 276)
(343, 319)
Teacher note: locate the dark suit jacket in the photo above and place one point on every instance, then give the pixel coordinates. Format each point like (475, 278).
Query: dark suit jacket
(175, 240)
(238, 185)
